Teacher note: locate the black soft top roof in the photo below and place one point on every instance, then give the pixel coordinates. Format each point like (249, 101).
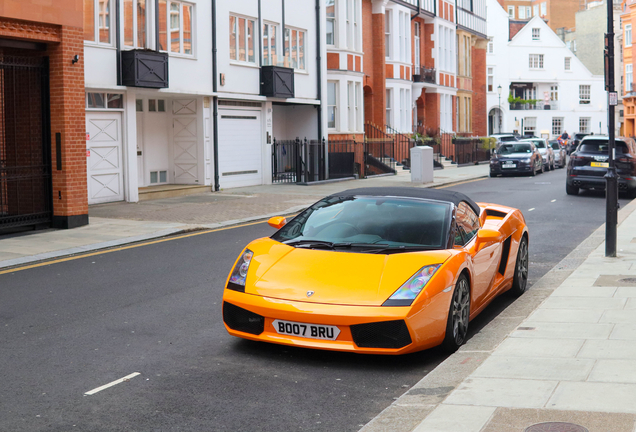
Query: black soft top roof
(407, 192)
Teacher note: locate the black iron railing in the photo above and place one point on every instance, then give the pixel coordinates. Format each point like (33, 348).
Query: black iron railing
(424, 74)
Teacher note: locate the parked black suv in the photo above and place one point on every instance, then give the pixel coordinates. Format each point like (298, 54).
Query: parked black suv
(588, 165)
(574, 141)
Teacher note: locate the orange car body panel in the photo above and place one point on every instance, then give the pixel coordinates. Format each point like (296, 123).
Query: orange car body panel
(349, 288)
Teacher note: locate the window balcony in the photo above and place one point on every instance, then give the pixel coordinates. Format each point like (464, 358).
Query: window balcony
(144, 68)
(424, 75)
(277, 81)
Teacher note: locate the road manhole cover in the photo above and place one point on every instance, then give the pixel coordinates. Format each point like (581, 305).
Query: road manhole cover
(555, 427)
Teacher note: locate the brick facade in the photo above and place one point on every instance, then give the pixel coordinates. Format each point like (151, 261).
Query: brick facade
(67, 102)
(480, 109)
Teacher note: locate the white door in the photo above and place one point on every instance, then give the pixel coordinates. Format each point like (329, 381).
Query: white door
(240, 148)
(185, 141)
(104, 161)
(140, 150)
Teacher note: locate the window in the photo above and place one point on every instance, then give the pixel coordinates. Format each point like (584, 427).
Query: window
(536, 61)
(628, 35)
(270, 47)
(529, 125)
(491, 79)
(467, 57)
(139, 105)
(568, 63)
(416, 41)
(511, 12)
(536, 34)
(403, 34)
(535, 10)
(242, 39)
(584, 125)
(554, 93)
(350, 109)
(584, 94)
(491, 47)
(135, 23)
(158, 177)
(522, 12)
(357, 35)
(629, 77)
(388, 107)
(544, 10)
(156, 105)
(178, 26)
(104, 101)
(332, 106)
(357, 101)
(574, 45)
(97, 21)
(348, 24)
(387, 33)
(295, 48)
(557, 126)
(568, 44)
(467, 223)
(331, 22)
(528, 12)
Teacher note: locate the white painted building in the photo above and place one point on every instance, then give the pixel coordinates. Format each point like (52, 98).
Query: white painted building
(150, 120)
(536, 65)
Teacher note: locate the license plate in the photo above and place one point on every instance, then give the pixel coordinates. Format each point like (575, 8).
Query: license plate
(509, 165)
(311, 331)
(600, 164)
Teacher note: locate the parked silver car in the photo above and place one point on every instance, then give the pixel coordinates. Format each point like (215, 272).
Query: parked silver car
(547, 154)
(559, 153)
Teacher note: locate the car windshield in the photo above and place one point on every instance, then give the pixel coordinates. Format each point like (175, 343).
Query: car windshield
(601, 146)
(505, 149)
(555, 145)
(507, 138)
(539, 144)
(368, 223)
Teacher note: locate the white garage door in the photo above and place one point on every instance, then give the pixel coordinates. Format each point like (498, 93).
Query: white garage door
(104, 164)
(240, 148)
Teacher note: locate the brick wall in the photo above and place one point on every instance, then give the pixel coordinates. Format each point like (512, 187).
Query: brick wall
(374, 65)
(480, 109)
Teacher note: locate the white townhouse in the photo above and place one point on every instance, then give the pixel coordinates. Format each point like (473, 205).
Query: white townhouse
(193, 92)
(545, 89)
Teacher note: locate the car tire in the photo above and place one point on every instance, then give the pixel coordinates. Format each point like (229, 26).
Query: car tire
(458, 316)
(552, 166)
(493, 174)
(571, 189)
(520, 280)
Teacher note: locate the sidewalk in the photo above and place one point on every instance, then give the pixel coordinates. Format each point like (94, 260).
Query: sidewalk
(564, 352)
(121, 223)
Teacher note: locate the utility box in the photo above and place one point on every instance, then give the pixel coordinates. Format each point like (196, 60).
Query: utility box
(422, 164)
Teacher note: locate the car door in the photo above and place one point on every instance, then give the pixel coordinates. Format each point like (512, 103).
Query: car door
(483, 255)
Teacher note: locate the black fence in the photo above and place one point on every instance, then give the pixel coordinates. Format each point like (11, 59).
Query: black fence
(25, 152)
(298, 161)
(470, 151)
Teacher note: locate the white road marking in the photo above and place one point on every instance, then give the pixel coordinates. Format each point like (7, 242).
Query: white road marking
(553, 201)
(120, 380)
(531, 209)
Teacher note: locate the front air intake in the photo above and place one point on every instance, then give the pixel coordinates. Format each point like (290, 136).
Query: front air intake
(386, 334)
(242, 320)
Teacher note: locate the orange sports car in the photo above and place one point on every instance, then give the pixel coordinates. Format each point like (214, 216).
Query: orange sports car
(377, 270)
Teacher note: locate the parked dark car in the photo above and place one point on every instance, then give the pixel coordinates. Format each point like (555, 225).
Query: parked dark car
(559, 153)
(574, 142)
(588, 165)
(516, 158)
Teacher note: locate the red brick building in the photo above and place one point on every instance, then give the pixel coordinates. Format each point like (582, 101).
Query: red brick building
(42, 130)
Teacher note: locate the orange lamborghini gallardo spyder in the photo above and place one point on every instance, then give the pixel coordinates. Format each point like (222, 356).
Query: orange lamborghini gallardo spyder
(377, 270)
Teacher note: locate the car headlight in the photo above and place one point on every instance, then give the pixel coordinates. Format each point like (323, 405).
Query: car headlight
(405, 295)
(528, 160)
(239, 274)
(493, 161)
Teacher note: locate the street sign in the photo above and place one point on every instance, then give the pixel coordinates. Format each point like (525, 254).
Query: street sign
(613, 98)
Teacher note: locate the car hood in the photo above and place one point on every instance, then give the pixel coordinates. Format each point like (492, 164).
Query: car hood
(515, 156)
(332, 277)
(542, 150)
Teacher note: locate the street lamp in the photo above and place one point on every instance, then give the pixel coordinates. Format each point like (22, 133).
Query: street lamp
(499, 92)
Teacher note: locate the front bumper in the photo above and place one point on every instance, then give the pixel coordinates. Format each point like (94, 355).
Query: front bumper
(522, 167)
(426, 325)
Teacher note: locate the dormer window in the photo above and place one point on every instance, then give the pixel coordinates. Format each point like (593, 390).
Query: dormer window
(536, 34)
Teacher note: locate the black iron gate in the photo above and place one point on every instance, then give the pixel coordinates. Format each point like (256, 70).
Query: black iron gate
(25, 149)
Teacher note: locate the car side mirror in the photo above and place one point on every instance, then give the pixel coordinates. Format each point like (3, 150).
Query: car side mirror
(485, 235)
(277, 222)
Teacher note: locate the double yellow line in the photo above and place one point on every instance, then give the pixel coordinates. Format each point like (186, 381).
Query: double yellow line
(117, 249)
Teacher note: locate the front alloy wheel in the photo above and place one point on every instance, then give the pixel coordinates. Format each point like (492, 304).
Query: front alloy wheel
(458, 316)
(520, 280)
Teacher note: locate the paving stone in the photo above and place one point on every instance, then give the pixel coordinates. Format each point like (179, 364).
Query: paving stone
(450, 418)
(520, 347)
(624, 331)
(566, 315)
(501, 392)
(535, 368)
(608, 349)
(565, 331)
(584, 303)
(592, 396)
(618, 371)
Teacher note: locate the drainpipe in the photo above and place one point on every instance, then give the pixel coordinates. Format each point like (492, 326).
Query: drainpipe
(419, 10)
(157, 43)
(260, 35)
(215, 103)
(117, 42)
(319, 86)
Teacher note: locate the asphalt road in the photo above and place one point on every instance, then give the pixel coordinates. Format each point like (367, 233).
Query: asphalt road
(71, 327)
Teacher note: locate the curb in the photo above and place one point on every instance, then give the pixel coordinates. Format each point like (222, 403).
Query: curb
(410, 409)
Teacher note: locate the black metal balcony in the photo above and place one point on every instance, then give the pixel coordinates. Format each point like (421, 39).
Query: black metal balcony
(425, 75)
(144, 68)
(277, 81)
